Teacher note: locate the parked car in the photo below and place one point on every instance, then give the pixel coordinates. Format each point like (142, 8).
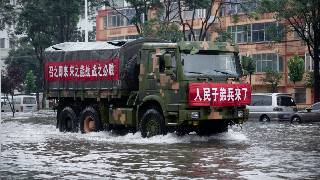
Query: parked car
(310, 114)
(271, 106)
(21, 104)
(4, 100)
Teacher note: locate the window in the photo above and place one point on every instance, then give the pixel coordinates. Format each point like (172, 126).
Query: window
(29, 100)
(309, 63)
(300, 96)
(130, 13)
(271, 60)
(116, 3)
(2, 41)
(196, 35)
(174, 10)
(11, 43)
(199, 13)
(315, 106)
(301, 29)
(116, 38)
(258, 100)
(3, 24)
(13, 2)
(133, 37)
(285, 101)
(223, 10)
(116, 19)
(237, 8)
(240, 34)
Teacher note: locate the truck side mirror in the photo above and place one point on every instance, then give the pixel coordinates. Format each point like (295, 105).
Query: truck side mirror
(168, 60)
(245, 73)
(244, 61)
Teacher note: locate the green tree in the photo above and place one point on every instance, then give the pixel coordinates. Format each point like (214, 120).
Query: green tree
(251, 67)
(161, 28)
(24, 57)
(296, 70)
(12, 79)
(309, 81)
(302, 17)
(272, 77)
(30, 82)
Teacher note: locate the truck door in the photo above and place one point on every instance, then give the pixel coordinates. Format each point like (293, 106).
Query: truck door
(169, 84)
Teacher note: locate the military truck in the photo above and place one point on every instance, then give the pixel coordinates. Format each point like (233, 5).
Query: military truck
(147, 85)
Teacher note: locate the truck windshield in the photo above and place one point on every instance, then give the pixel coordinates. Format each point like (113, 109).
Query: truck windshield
(199, 65)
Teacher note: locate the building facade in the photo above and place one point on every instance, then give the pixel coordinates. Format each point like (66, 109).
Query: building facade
(251, 37)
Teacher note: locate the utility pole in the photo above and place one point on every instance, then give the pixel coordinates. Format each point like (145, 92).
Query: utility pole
(86, 19)
(1, 107)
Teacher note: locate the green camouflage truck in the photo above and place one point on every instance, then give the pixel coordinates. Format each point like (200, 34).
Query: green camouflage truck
(147, 85)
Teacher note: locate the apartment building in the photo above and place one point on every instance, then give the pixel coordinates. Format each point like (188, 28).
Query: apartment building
(249, 35)
(252, 40)
(6, 43)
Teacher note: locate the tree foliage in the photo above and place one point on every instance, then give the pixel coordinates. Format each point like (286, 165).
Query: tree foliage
(161, 28)
(272, 77)
(296, 70)
(12, 79)
(30, 84)
(309, 81)
(251, 67)
(24, 57)
(303, 18)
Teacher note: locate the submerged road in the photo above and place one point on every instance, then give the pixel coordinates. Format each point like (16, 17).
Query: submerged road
(32, 148)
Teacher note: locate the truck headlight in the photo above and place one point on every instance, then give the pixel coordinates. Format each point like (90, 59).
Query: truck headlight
(195, 115)
(240, 113)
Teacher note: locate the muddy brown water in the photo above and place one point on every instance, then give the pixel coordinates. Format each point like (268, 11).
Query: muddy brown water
(32, 148)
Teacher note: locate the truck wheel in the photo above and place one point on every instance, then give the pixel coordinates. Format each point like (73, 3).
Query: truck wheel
(152, 124)
(90, 120)
(68, 120)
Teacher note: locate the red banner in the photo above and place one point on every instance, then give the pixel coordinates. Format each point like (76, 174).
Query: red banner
(219, 94)
(93, 70)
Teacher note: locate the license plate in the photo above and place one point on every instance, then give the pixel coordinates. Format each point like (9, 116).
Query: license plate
(286, 116)
(29, 107)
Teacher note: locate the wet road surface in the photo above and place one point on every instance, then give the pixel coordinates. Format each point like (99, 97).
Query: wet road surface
(32, 148)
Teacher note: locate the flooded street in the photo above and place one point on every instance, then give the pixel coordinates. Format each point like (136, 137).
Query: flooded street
(33, 148)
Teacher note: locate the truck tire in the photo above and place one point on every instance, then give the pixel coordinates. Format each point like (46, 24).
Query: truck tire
(152, 124)
(90, 120)
(131, 73)
(68, 120)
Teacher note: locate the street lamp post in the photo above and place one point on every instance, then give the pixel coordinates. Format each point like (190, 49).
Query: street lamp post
(86, 19)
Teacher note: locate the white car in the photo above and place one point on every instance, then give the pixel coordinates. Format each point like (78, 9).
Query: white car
(20, 104)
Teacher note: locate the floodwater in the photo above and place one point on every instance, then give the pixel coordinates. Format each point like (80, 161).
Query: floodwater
(32, 148)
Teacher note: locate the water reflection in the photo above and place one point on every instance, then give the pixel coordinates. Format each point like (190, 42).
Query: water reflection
(32, 147)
